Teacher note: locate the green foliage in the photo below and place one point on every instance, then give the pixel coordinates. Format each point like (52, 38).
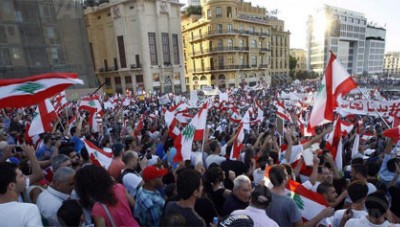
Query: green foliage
(195, 10)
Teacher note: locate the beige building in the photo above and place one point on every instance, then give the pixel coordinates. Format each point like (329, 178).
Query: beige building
(137, 45)
(392, 64)
(300, 56)
(230, 45)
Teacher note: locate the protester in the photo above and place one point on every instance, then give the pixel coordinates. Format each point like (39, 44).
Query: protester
(240, 196)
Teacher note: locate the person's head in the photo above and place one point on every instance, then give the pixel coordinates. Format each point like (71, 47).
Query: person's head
(70, 213)
(377, 204)
(358, 172)
(215, 147)
(93, 183)
(12, 180)
(105, 142)
(152, 176)
(59, 161)
(63, 180)
(130, 143)
(373, 169)
(72, 131)
(71, 153)
(325, 174)
(173, 219)
(131, 160)
(391, 164)
(261, 197)
(327, 191)
(215, 174)
(242, 188)
(357, 191)
(278, 176)
(117, 149)
(188, 184)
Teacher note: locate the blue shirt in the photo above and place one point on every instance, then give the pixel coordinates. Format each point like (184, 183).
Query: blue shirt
(41, 151)
(384, 174)
(78, 144)
(149, 207)
(170, 158)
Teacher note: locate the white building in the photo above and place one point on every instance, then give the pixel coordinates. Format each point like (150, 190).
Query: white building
(339, 30)
(137, 45)
(392, 64)
(374, 50)
(194, 2)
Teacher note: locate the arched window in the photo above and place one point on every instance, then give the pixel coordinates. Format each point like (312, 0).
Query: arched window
(230, 43)
(221, 77)
(212, 77)
(203, 78)
(195, 78)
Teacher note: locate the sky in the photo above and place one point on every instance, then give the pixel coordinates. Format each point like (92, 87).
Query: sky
(295, 13)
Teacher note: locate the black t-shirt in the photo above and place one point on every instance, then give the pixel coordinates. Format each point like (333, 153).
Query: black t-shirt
(218, 199)
(191, 217)
(233, 203)
(236, 166)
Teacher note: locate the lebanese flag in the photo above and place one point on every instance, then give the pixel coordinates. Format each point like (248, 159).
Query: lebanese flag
(237, 143)
(393, 133)
(31, 90)
(93, 106)
(304, 127)
(179, 108)
(260, 113)
(42, 118)
(139, 126)
(346, 127)
(183, 118)
(97, 155)
(194, 131)
(60, 102)
(336, 83)
(235, 116)
(282, 112)
(334, 143)
(309, 203)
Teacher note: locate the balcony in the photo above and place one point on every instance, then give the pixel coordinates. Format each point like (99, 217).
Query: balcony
(263, 66)
(218, 50)
(220, 68)
(251, 18)
(136, 66)
(265, 49)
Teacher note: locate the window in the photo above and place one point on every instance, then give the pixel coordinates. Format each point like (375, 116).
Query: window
(139, 79)
(208, 13)
(253, 43)
(11, 30)
(5, 59)
(165, 47)
(3, 37)
(55, 55)
(220, 44)
(229, 11)
(230, 28)
(221, 61)
(128, 80)
(230, 44)
(241, 43)
(175, 49)
(6, 7)
(153, 48)
(219, 28)
(253, 61)
(121, 50)
(218, 12)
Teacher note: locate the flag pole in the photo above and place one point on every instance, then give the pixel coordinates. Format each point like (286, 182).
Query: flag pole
(369, 101)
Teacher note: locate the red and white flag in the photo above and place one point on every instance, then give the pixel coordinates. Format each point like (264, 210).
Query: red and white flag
(346, 127)
(336, 83)
(97, 155)
(282, 112)
(42, 118)
(334, 143)
(393, 133)
(93, 106)
(237, 143)
(235, 116)
(31, 90)
(60, 102)
(194, 131)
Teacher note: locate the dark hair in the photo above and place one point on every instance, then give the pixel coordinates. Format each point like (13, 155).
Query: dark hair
(324, 187)
(70, 212)
(104, 141)
(360, 169)
(8, 175)
(94, 184)
(128, 141)
(391, 164)
(72, 130)
(373, 168)
(85, 154)
(66, 150)
(376, 204)
(357, 161)
(357, 191)
(117, 149)
(214, 145)
(187, 182)
(277, 174)
(261, 196)
(213, 174)
(262, 161)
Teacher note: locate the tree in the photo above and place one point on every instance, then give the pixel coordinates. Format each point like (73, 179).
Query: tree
(292, 66)
(195, 10)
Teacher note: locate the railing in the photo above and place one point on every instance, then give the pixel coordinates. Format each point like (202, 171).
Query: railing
(226, 32)
(218, 50)
(221, 67)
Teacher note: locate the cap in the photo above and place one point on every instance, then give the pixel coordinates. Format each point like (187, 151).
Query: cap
(152, 172)
(13, 160)
(241, 220)
(3, 145)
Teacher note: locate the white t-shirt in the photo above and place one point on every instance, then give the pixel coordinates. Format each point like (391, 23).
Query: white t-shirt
(297, 150)
(311, 187)
(214, 158)
(19, 214)
(337, 217)
(131, 182)
(258, 175)
(363, 221)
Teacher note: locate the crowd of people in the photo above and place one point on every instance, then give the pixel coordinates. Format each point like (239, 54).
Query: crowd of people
(56, 180)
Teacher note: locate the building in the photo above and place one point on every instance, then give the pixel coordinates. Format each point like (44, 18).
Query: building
(194, 3)
(340, 30)
(137, 45)
(41, 36)
(374, 50)
(280, 51)
(230, 45)
(392, 64)
(300, 56)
